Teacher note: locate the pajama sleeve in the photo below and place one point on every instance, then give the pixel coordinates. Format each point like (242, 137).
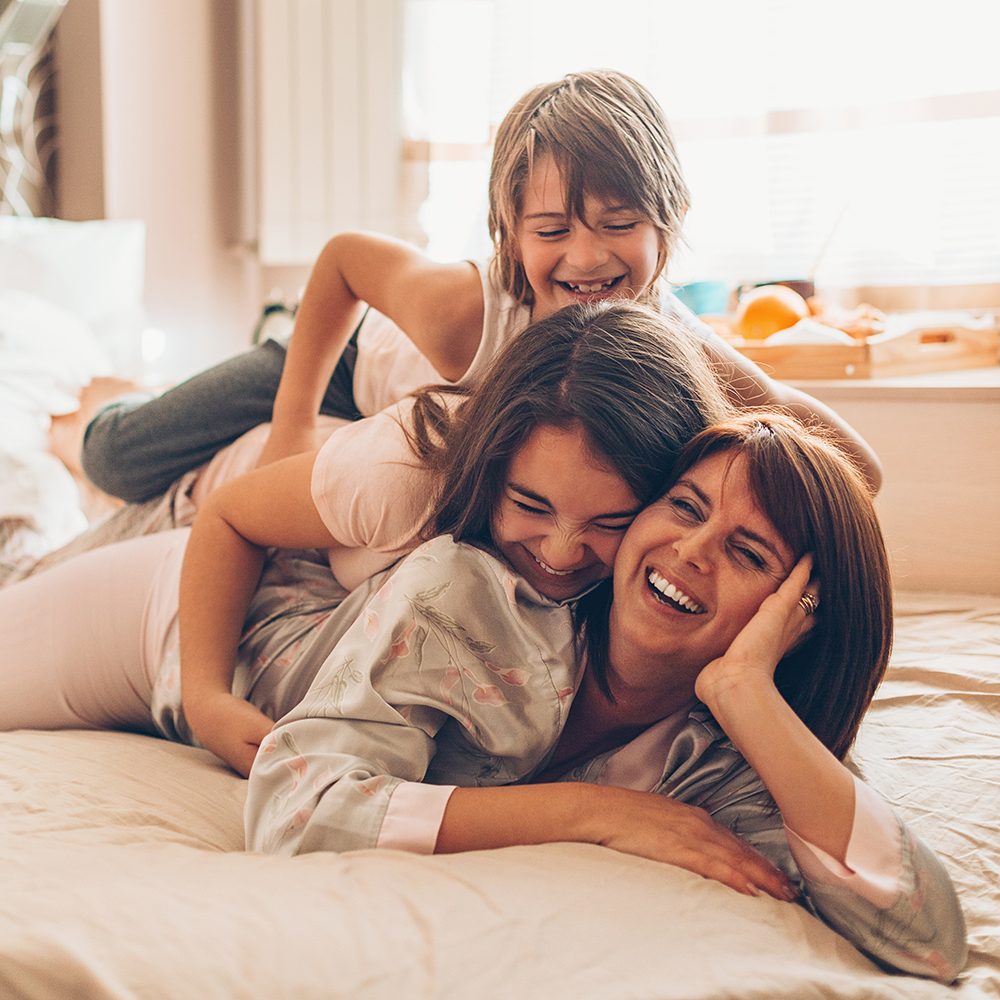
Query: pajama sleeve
(427, 685)
(893, 900)
(896, 903)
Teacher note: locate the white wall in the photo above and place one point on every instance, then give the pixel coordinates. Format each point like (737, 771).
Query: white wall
(148, 108)
(940, 451)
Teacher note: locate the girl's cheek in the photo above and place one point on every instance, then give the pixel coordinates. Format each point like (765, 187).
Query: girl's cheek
(607, 548)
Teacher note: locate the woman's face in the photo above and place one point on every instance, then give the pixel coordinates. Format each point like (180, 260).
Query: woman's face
(562, 515)
(695, 566)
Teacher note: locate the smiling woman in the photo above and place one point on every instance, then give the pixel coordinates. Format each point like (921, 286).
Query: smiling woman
(699, 562)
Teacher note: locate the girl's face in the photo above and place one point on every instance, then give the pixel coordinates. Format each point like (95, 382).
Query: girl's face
(614, 252)
(562, 515)
(695, 566)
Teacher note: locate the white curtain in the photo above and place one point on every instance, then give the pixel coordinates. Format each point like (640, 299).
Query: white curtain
(856, 142)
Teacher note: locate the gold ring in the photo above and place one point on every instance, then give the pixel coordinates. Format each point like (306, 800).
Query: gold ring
(809, 603)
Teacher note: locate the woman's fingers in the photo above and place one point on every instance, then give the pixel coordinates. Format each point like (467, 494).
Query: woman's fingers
(662, 829)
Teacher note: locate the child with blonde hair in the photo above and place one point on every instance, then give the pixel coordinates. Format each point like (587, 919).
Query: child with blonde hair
(587, 203)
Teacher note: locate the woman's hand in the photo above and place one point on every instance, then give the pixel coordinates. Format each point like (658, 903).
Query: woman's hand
(228, 726)
(813, 790)
(661, 829)
(779, 625)
(640, 823)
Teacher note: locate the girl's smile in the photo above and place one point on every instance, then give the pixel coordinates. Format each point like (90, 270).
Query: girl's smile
(614, 252)
(562, 515)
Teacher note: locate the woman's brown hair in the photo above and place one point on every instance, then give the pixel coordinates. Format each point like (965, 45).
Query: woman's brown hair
(819, 502)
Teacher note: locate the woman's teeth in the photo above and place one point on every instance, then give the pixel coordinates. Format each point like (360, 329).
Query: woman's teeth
(678, 597)
(551, 571)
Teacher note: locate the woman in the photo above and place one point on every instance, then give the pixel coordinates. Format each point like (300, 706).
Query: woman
(430, 712)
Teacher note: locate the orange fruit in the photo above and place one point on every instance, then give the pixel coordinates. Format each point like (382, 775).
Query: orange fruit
(768, 309)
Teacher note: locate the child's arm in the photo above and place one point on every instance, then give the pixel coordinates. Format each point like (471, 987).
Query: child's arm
(222, 565)
(439, 306)
(748, 386)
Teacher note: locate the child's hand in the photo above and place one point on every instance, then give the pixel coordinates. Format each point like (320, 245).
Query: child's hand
(228, 726)
(779, 625)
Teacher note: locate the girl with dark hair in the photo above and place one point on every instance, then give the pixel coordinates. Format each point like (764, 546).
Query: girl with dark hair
(546, 463)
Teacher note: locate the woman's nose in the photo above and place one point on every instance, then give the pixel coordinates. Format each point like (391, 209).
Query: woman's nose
(561, 550)
(693, 548)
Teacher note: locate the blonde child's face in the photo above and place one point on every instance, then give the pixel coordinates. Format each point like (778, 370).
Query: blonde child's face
(613, 253)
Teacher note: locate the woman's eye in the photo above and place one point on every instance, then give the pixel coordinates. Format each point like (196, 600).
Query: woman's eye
(684, 507)
(550, 233)
(751, 557)
(625, 227)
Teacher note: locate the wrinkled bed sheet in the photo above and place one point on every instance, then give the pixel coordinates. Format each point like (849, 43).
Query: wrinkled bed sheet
(123, 875)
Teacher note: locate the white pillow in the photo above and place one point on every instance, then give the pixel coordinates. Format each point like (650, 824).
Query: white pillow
(95, 270)
(47, 354)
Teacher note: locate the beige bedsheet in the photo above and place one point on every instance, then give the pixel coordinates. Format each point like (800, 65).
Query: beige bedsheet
(121, 876)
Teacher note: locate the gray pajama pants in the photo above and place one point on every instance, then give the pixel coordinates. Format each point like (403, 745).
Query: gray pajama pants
(135, 449)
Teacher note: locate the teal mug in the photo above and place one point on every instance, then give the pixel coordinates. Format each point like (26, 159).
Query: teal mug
(704, 297)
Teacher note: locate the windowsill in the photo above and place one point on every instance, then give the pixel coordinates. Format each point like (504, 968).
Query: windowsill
(969, 385)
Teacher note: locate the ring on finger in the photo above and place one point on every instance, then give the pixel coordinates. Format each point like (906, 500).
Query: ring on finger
(809, 603)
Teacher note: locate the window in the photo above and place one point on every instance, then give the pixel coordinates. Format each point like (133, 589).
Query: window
(855, 142)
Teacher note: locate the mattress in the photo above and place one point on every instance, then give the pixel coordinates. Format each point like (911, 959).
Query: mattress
(124, 875)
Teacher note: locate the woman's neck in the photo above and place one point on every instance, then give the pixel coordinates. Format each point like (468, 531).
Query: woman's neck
(598, 723)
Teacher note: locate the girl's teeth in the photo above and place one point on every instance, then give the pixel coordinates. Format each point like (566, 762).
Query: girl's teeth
(591, 289)
(551, 571)
(669, 590)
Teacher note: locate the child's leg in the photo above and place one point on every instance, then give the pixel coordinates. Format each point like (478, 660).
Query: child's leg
(136, 451)
(80, 643)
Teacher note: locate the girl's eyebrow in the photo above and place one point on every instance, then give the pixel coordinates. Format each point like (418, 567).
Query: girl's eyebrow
(545, 502)
(545, 215)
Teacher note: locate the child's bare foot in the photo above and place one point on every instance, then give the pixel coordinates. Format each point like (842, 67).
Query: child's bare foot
(66, 433)
(66, 440)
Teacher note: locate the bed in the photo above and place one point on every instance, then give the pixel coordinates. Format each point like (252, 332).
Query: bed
(123, 872)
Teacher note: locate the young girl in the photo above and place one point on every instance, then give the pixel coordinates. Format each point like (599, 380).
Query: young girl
(547, 461)
(748, 626)
(586, 204)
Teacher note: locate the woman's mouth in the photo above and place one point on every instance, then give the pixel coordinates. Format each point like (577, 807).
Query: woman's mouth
(665, 592)
(592, 287)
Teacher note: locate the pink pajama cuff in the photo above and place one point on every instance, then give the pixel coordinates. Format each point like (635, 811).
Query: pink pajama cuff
(874, 854)
(414, 816)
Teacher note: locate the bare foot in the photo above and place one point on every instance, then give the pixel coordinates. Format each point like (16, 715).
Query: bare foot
(66, 440)
(66, 433)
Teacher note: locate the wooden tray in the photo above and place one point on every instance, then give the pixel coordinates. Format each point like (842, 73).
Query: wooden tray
(930, 349)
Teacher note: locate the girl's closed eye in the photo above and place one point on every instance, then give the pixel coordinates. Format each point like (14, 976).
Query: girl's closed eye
(529, 508)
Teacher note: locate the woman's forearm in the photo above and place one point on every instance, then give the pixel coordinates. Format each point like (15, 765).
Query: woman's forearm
(639, 823)
(813, 790)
